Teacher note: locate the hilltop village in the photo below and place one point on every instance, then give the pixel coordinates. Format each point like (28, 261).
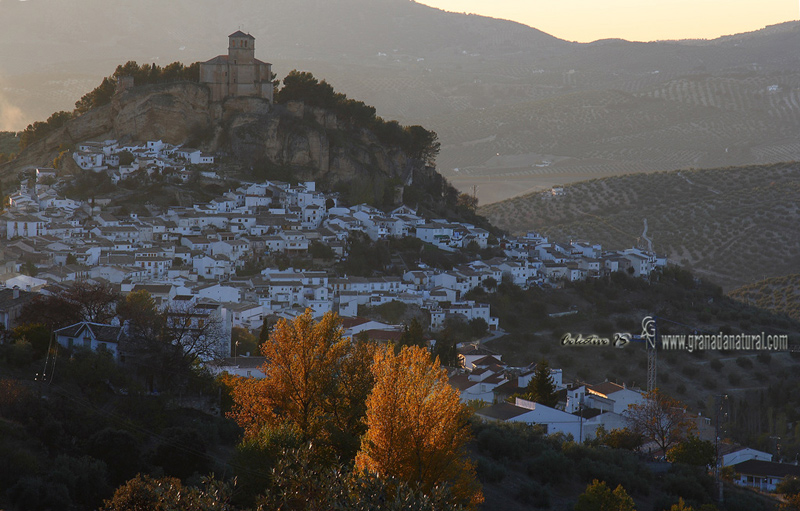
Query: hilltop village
(199, 251)
(269, 249)
(193, 259)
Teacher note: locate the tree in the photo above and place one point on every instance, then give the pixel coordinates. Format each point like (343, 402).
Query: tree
(541, 388)
(319, 250)
(300, 482)
(619, 438)
(316, 380)
(445, 349)
(792, 503)
(424, 144)
(417, 427)
(166, 344)
(660, 419)
(680, 506)
(599, 497)
(97, 302)
(478, 327)
(693, 451)
(467, 201)
(82, 301)
(30, 269)
(126, 158)
(263, 333)
(303, 86)
(789, 486)
(121, 452)
(243, 342)
(181, 452)
(413, 334)
(168, 494)
(36, 334)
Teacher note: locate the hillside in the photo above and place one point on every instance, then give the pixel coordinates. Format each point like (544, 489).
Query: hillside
(731, 225)
(290, 140)
(486, 86)
(780, 294)
(604, 307)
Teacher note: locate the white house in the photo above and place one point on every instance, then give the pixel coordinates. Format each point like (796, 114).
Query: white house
(737, 454)
(763, 475)
(555, 421)
(607, 397)
(92, 336)
(245, 366)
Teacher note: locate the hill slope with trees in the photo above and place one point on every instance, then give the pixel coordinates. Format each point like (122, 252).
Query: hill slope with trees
(730, 225)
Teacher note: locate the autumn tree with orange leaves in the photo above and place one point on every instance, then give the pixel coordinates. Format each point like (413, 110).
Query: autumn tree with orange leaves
(417, 427)
(660, 419)
(316, 382)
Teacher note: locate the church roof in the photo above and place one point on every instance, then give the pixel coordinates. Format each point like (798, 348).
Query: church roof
(219, 59)
(239, 33)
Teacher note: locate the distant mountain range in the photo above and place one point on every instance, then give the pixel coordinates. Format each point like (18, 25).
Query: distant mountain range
(515, 108)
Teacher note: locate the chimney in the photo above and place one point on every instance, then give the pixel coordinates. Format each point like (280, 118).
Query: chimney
(15, 293)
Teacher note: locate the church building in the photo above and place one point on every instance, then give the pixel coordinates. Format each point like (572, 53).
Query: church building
(238, 73)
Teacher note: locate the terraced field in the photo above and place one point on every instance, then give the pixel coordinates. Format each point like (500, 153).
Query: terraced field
(780, 294)
(732, 225)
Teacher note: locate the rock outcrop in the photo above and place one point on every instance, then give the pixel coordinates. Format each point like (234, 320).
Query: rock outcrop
(310, 143)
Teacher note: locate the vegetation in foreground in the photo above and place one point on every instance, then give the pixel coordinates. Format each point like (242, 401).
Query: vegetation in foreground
(319, 432)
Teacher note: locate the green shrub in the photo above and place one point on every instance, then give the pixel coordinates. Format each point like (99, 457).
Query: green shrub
(533, 494)
(550, 467)
(489, 471)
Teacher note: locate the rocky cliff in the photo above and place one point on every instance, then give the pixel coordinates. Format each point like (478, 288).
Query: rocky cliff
(315, 145)
(305, 142)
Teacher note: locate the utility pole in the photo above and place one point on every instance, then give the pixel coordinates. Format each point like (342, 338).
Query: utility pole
(650, 332)
(719, 401)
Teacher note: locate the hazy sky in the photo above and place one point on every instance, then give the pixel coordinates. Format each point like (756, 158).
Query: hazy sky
(635, 20)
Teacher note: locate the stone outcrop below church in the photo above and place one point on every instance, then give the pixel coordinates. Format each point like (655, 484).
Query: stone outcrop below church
(316, 145)
(310, 142)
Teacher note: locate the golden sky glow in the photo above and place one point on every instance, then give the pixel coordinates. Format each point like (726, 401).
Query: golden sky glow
(635, 20)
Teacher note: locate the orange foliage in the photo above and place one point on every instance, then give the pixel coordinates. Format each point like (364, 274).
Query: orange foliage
(417, 427)
(11, 392)
(316, 380)
(660, 419)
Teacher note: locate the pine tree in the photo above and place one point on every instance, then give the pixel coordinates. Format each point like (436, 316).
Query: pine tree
(541, 388)
(413, 334)
(263, 334)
